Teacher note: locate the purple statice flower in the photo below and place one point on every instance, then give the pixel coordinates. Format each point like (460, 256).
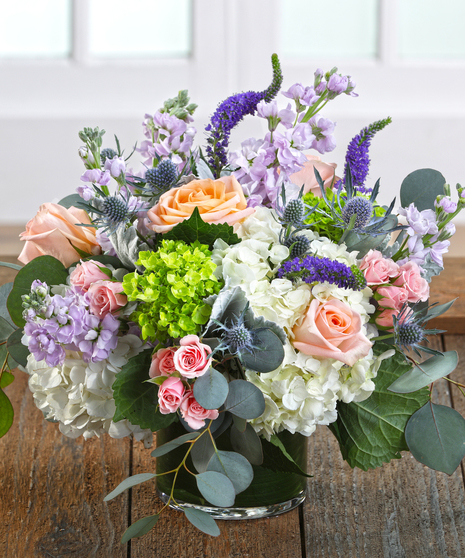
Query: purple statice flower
(302, 96)
(99, 338)
(96, 176)
(230, 112)
(419, 222)
(105, 243)
(336, 85)
(86, 192)
(312, 269)
(115, 166)
(447, 205)
(42, 345)
(357, 158)
(323, 130)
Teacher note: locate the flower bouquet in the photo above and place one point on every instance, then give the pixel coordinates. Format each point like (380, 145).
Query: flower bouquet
(232, 301)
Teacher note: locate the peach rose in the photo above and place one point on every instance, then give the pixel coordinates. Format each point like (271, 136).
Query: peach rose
(192, 359)
(170, 395)
(106, 297)
(306, 175)
(162, 363)
(54, 231)
(86, 273)
(410, 278)
(378, 269)
(193, 413)
(331, 329)
(218, 201)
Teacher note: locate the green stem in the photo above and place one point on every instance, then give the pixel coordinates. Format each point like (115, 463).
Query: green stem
(382, 337)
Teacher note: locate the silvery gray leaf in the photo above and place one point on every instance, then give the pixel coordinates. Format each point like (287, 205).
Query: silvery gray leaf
(204, 170)
(430, 268)
(186, 179)
(128, 245)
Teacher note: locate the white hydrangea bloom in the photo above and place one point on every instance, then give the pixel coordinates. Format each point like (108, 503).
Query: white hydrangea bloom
(79, 395)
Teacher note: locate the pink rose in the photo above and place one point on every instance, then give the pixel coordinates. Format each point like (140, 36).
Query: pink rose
(193, 413)
(87, 273)
(385, 319)
(170, 395)
(162, 363)
(191, 359)
(331, 329)
(306, 175)
(54, 231)
(410, 278)
(106, 297)
(392, 297)
(377, 269)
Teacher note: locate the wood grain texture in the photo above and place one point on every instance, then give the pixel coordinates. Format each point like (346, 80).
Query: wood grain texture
(445, 287)
(402, 510)
(52, 488)
(277, 537)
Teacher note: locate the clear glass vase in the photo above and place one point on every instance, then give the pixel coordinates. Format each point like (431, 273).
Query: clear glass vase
(271, 492)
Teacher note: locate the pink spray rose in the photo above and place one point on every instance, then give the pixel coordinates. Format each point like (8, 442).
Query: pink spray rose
(87, 273)
(162, 363)
(385, 319)
(410, 278)
(377, 269)
(191, 359)
(392, 297)
(193, 413)
(106, 297)
(54, 231)
(331, 329)
(306, 175)
(170, 395)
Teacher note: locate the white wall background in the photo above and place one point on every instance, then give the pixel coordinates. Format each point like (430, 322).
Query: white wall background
(65, 64)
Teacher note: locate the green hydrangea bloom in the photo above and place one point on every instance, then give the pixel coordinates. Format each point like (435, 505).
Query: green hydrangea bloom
(176, 280)
(323, 223)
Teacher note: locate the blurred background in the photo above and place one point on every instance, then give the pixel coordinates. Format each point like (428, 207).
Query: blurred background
(66, 64)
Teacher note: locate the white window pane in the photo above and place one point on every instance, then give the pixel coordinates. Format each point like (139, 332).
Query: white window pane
(140, 28)
(333, 28)
(35, 29)
(431, 29)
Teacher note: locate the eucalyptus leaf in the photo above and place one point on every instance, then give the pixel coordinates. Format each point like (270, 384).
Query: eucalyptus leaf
(422, 187)
(203, 521)
(6, 329)
(240, 423)
(235, 466)
(202, 452)
(71, 200)
(371, 432)
(216, 488)
(3, 355)
(268, 355)
(421, 375)
(11, 265)
(5, 290)
(227, 420)
(44, 268)
(173, 444)
(16, 349)
(6, 413)
(248, 444)
(139, 528)
(436, 437)
(215, 424)
(6, 378)
(128, 483)
(244, 400)
(211, 389)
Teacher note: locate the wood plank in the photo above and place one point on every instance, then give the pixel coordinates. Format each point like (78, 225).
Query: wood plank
(445, 287)
(52, 488)
(277, 537)
(401, 510)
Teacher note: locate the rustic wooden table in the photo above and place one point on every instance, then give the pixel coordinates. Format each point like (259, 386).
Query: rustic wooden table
(52, 490)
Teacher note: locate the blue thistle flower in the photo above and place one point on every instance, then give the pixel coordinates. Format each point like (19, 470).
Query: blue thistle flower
(107, 153)
(409, 331)
(361, 208)
(113, 212)
(163, 176)
(298, 245)
(230, 112)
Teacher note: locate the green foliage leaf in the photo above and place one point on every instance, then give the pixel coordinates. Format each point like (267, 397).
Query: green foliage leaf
(6, 329)
(5, 290)
(71, 200)
(136, 399)
(11, 265)
(239, 423)
(371, 432)
(3, 355)
(6, 379)
(278, 443)
(128, 483)
(43, 268)
(216, 488)
(203, 521)
(195, 228)
(211, 389)
(268, 356)
(202, 452)
(422, 187)
(235, 466)
(16, 349)
(244, 400)
(139, 528)
(425, 373)
(436, 437)
(173, 444)
(248, 444)
(439, 309)
(278, 459)
(6, 413)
